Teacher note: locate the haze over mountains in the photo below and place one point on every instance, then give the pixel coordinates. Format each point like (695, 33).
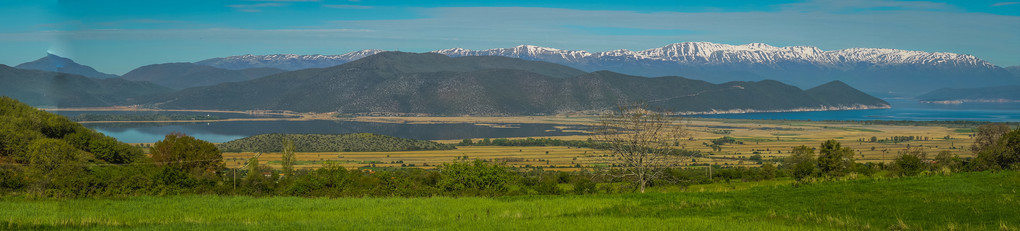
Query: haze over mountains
(875, 70)
(396, 82)
(703, 77)
(53, 89)
(1000, 94)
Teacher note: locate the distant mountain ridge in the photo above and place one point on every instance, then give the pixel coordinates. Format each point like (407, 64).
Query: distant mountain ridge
(890, 72)
(435, 84)
(714, 54)
(185, 75)
(53, 89)
(965, 95)
(897, 72)
(285, 61)
(54, 63)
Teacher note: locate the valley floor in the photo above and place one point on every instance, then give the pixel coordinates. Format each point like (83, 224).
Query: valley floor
(963, 201)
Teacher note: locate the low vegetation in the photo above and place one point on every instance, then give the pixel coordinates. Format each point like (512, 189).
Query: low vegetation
(48, 156)
(353, 142)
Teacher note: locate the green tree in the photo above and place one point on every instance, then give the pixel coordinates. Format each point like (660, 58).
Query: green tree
(288, 158)
(835, 160)
(188, 154)
(946, 159)
(910, 162)
(1004, 154)
(801, 162)
(51, 163)
(768, 171)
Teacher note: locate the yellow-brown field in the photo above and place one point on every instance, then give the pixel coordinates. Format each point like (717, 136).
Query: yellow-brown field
(564, 158)
(770, 139)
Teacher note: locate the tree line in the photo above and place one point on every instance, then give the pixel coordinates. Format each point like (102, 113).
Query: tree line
(351, 142)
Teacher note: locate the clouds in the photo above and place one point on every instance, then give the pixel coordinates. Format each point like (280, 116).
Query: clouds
(1005, 3)
(865, 5)
(254, 8)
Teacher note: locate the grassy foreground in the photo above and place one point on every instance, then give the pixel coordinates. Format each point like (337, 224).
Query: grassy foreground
(967, 201)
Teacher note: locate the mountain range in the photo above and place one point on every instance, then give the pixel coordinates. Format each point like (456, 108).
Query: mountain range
(54, 89)
(875, 70)
(54, 63)
(185, 75)
(288, 62)
(436, 84)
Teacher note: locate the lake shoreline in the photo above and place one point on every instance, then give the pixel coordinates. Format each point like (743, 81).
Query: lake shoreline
(309, 116)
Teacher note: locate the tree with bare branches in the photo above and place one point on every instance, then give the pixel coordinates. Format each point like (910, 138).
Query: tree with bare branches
(640, 142)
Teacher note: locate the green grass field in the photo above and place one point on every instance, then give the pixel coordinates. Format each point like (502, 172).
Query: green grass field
(964, 201)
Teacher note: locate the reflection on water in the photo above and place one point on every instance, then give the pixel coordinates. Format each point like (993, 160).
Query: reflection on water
(226, 131)
(903, 109)
(217, 114)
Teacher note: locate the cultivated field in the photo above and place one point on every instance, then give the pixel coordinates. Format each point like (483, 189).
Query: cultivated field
(772, 140)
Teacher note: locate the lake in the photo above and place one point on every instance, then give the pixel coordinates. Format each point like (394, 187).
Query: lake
(903, 109)
(218, 132)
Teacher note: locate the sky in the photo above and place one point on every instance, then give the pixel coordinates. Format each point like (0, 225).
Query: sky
(118, 36)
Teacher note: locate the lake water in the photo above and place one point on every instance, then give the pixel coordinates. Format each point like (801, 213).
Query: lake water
(903, 109)
(218, 132)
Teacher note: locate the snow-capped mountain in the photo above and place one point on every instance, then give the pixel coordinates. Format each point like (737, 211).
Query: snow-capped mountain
(881, 71)
(706, 53)
(285, 61)
(875, 70)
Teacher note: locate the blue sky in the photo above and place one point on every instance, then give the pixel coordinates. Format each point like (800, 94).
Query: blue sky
(117, 36)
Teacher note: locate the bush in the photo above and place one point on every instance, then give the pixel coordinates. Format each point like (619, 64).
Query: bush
(188, 154)
(475, 177)
(835, 160)
(910, 162)
(801, 162)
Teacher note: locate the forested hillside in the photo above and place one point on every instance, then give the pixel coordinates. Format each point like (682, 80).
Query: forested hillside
(353, 142)
(52, 89)
(40, 151)
(399, 82)
(185, 75)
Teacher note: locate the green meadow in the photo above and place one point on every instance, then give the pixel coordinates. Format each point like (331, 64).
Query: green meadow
(962, 201)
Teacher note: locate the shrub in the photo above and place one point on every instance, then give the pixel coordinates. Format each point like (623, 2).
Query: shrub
(910, 162)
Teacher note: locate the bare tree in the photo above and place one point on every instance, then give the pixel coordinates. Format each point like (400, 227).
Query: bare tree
(640, 142)
(986, 135)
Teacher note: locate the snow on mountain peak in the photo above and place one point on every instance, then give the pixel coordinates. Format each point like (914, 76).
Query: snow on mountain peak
(708, 53)
(286, 61)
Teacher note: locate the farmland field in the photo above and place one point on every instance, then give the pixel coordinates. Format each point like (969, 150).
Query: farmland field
(770, 139)
(963, 201)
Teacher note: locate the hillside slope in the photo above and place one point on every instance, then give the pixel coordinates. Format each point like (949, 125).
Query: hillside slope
(54, 63)
(396, 82)
(185, 75)
(52, 89)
